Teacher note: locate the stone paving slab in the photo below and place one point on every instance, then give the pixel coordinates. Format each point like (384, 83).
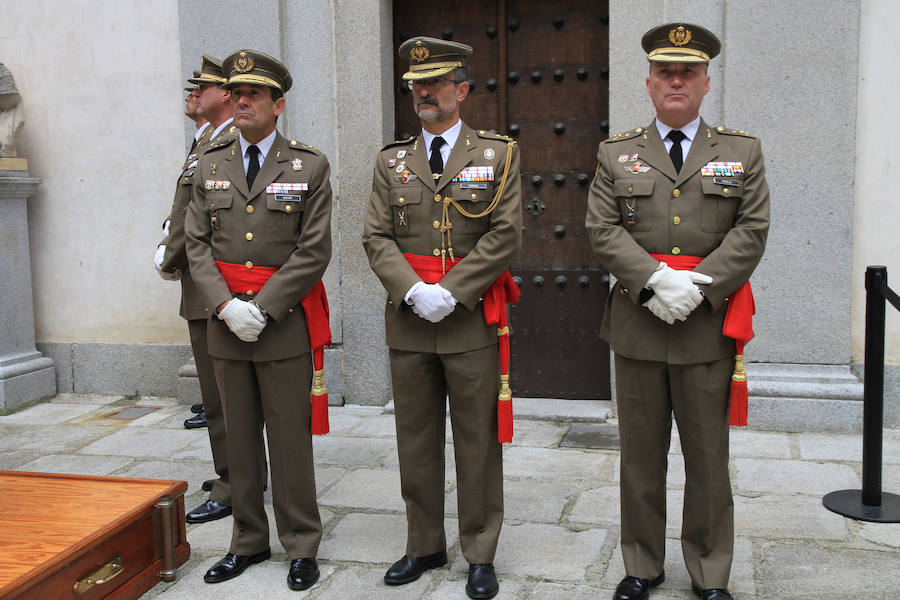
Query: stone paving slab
(793, 477)
(561, 533)
(827, 573)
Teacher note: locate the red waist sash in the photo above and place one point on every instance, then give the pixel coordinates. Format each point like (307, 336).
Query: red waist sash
(250, 280)
(738, 325)
(501, 292)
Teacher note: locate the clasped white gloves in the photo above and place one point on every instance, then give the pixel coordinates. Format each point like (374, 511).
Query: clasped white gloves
(244, 319)
(157, 262)
(676, 290)
(430, 301)
(655, 305)
(166, 228)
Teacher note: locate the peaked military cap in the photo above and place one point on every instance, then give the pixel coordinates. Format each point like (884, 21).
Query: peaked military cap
(210, 71)
(430, 57)
(192, 86)
(680, 42)
(250, 66)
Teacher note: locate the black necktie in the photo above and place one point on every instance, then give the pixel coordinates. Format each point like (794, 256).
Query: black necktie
(253, 167)
(436, 162)
(676, 135)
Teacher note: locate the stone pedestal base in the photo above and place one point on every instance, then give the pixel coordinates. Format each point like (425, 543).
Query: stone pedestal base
(188, 384)
(24, 380)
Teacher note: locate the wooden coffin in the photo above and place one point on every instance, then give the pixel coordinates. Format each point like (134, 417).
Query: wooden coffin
(80, 537)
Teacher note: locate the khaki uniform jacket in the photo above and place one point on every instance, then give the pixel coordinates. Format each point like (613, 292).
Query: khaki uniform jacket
(192, 304)
(722, 218)
(406, 217)
(289, 230)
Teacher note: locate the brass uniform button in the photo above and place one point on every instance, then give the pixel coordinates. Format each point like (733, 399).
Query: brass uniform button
(249, 236)
(630, 189)
(436, 224)
(474, 196)
(401, 200)
(726, 191)
(287, 208)
(437, 198)
(676, 192)
(251, 293)
(677, 220)
(249, 209)
(436, 252)
(248, 264)
(212, 204)
(676, 250)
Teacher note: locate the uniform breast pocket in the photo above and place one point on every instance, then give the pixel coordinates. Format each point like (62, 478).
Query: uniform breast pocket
(283, 217)
(408, 213)
(474, 201)
(633, 196)
(220, 214)
(720, 201)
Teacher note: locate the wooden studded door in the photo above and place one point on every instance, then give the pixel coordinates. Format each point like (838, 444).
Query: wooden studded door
(540, 74)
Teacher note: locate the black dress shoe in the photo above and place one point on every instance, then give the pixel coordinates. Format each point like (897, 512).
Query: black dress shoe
(207, 485)
(208, 511)
(637, 588)
(482, 582)
(233, 565)
(303, 574)
(197, 408)
(712, 594)
(409, 569)
(196, 422)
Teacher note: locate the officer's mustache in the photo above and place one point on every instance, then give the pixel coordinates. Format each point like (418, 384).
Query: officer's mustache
(427, 100)
(246, 113)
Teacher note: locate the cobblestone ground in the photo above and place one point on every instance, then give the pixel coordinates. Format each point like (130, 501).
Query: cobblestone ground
(561, 532)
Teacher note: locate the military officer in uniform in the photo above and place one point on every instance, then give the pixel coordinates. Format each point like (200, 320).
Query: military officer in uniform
(191, 111)
(258, 241)
(679, 213)
(448, 201)
(214, 104)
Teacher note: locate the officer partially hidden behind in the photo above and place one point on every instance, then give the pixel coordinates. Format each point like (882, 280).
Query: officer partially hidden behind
(258, 241)
(679, 213)
(442, 227)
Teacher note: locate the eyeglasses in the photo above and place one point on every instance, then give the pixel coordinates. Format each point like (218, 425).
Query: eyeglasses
(431, 83)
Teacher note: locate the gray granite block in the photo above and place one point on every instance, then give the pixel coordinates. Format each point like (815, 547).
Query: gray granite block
(794, 517)
(547, 552)
(787, 477)
(150, 443)
(76, 464)
(825, 572)
(367, 488)
(535, 501)
(328, 450)
(555, 464)
(805, 414)
(128, 368)
(372, 538)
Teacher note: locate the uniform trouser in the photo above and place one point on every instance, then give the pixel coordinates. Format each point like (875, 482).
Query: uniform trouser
(421, 384)
(647, 395)
(212, 405)
(275, 394)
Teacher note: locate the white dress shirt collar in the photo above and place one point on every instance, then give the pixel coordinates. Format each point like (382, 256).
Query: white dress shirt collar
(221, 127)
(450, 136)
(200, 130)
(689, 130)
(264, 146)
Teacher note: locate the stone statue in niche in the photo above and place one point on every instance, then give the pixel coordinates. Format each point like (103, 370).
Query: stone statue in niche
(12, 116)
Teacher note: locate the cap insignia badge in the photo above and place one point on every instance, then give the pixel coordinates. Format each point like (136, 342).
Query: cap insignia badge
(488, 153)
(680, 36)
(243, 63)
(297, 164)
(419, 52)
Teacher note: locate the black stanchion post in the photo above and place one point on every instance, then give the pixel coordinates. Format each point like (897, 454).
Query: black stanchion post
(873, 386)
(870, 504)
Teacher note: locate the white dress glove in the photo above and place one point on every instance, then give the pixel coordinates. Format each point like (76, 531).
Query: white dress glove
(157, 262)
(655, 305)
(430, 301)
(245, 320)
(677, 289)
(166, 228)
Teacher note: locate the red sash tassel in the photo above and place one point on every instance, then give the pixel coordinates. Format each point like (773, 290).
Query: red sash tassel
(243, 280)
(502, 291)
(738, 326)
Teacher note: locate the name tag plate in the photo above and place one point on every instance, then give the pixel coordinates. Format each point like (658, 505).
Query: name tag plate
(287, 198)
(473, 186)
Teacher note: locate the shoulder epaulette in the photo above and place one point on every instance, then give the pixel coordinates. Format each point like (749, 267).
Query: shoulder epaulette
(740, 132)
(627, 135)
(222, 142)
(300, 146)
(492, 135)
(399, 142)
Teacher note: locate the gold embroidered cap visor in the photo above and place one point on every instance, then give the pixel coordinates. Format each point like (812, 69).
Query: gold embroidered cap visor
(680, 42)
(250, 66)
(431, 57)
(210, 71)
